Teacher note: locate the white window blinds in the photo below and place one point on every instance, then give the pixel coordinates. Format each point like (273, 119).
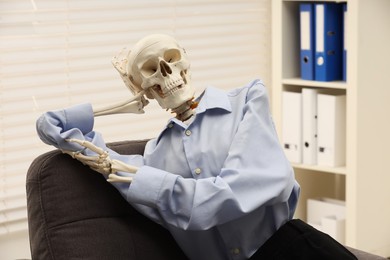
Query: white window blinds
(55, 54)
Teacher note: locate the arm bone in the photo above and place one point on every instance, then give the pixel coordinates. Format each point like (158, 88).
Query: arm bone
(134, 105)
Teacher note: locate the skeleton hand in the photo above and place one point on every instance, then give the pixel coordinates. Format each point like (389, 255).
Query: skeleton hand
(102, 162)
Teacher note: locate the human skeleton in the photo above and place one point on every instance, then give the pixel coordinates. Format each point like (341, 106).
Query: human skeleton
(158, 68)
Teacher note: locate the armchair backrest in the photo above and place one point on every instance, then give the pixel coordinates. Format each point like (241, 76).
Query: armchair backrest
(73, 213)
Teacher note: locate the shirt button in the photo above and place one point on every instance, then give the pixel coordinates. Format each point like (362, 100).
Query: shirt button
(198, 171)
(188, 132)
(170, 125)
(236, 251)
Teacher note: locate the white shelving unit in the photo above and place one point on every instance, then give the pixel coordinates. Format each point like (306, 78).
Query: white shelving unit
(364, 183)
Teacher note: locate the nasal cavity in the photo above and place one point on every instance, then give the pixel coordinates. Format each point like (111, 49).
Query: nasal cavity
(165, 69)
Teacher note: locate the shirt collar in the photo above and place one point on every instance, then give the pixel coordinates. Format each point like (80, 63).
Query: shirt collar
(211, 98)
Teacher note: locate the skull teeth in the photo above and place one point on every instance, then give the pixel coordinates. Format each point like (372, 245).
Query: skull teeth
(171, 88)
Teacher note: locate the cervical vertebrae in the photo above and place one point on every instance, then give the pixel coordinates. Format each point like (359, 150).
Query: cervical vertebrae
(186, 110)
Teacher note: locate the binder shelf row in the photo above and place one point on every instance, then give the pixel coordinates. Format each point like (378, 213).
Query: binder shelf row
(323, 55)
(314, 129)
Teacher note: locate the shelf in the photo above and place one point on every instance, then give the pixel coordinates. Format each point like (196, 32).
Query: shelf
(363, 182)
(334, 170)
(312, 83)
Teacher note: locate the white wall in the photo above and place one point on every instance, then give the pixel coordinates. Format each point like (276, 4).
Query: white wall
(15, 246)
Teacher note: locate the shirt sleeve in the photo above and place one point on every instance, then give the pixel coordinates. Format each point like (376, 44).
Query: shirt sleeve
(255, 174)
(54, 127)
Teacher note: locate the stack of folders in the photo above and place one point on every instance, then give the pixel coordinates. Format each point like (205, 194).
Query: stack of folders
(328, 216)
(323, 54)
(314, 127)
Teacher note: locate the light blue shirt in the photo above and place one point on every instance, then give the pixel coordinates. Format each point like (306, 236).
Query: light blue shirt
(221, 184)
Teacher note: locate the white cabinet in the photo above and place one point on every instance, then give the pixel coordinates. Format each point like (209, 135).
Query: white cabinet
(364, 182)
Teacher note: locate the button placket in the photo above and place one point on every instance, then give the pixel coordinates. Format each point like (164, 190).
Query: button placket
(188, 142)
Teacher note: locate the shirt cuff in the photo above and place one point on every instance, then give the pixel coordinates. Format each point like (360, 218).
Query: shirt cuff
(147, 184)
(79, 116)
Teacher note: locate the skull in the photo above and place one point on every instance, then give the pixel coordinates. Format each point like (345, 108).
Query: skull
(158, 65)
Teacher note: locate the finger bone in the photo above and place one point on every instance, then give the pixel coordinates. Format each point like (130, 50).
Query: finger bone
(84, 158)
(87, 144)
(116, 178)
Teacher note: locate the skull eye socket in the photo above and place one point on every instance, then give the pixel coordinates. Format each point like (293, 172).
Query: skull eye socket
(149, 68)
(172, 55)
